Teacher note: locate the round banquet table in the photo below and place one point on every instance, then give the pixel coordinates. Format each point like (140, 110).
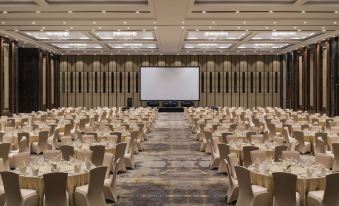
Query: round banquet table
(262, 176)
(28, 181)
(238, 149)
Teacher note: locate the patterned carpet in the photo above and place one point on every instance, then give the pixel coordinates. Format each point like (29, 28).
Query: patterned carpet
(171, 170)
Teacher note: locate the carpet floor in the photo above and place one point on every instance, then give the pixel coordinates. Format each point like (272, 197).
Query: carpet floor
(171, 170)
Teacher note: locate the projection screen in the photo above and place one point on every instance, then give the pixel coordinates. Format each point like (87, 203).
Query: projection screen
(169, 83)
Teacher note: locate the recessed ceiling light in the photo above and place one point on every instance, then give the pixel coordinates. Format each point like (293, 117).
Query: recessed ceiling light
(128, 27)
(210, 27)
(64, 22)
(154, 22)
(335, 12)
(183, 22)
(238, 27)
(5, 12)
(144, 30)
(271, 11)
(294, 27)
(137, 12)
(103, 11)
(33, 22)
(70, 12)
(16, 30)
(3, 22)
(244, 22)
(299, 30)
(125, 22)
(266, 27)
(274, 22)
(182, 27)
(155, 27)
(93, 29)
(94, 22)
(303, 12)
(99, 27)
(197, 30)
(334, 22)
(237, 12)
(213, 22)
(71, 27)
(274, 30)
(305, 22)
(204, 12)
(38, 12)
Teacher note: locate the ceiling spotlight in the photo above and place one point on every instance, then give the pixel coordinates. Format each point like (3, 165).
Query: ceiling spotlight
(182, 27)
(294, 27)
(334, 22)
(93, 29)
(103, 11)
(183, 22)
(204, 12)
(154, 22)
(213, 22)
(137, 12)
(3, 22)
(155, 27)
(64, 22)
(299, 30)
(238, 27)
(71, 27)
(128, 27)
(266, 27)
(33, 22)
(305, 22)
(125, 22)
(5, 12)
(237, 12)
(244, 22)
(210, 27)
(99, 27)
(197, 30)
(70, 12)
(303, 12)
(16, 30)
(335, 12)
(94, 22)
(271, 12)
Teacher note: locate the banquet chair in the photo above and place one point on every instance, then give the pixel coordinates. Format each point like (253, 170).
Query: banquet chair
(335, 147)
(66, 140)
(249, 136)
(2, 134)
(112, 139)
(129, 154)
(319, 146)
(21, 159)
(98, 154)
(67, 130)
(10, 139)
(247, 154)
(233, 187)
(208, 138)
(224, 150)
(52, 155)
(107, 162)
(84, 155)
(52, 129)
(258, 155)
(231, 138)
(224, 137)
(284, 189)
(55, 185)
(21, 135)
(109, 183)
(278, 152)
(93, 193)
(257, 138)
(4, 152)
(203, 141)
(232, 161)
(302, 146)
(119, 154)
(322, 136)
(326, 160)
(119, 135)
(294, 155)
(327, 197)
(2, 192)
(53, 140)
(14, 195)
(67, 152)
(215, 152)
(82, 124)
(250, 195)
(41, 145)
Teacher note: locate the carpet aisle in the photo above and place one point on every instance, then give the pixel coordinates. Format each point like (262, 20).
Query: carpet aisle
(171, 170)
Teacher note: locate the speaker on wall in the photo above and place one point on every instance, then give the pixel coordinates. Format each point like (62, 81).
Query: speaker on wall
(129, 102)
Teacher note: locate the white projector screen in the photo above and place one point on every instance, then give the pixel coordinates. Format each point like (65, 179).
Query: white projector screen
(169, 83)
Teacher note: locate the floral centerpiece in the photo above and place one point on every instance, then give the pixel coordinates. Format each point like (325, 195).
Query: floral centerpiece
(54, 167)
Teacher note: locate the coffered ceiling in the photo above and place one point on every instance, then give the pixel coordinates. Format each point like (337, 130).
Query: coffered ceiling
(169, 26)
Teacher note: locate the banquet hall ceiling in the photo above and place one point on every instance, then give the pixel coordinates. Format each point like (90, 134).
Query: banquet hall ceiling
(169, 26)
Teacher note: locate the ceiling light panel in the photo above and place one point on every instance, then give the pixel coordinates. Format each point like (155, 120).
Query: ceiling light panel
(77, 46)
(263, 46)
(284, 35)
(210, 46)
(56, 35)
(125, 35)
(132, 45)
(215, 35)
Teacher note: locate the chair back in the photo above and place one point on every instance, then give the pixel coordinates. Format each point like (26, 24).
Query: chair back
(4, 152)
(98, 154)
(68, 129)
(224, 150)
(249, 136)
(224, 136)
(335, 147)
(232, 161)
(247, 154)
(258, 155)
(120, 151)
(24, 144)
(12, 189)
(107, 162)
(96, 186)
(331, 193)
(22, 134)
(299, 136)
(67, 151)
(55, 185)
(21, 159)
(43, 136)
(284, 189)
(245, 188)
(278, 152)
(119, 135)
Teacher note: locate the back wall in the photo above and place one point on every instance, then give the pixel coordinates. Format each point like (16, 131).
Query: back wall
(100, 80)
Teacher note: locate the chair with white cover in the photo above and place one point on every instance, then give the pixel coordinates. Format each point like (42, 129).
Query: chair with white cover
(67, 152)
(2, 192)
(302, 146)
(250, 195)
(224, 136)
(129, 154)
(284, 189)
(326, 160)
(84, 155)
(66, 140)
(208, 139)
(335, 147)
(327, 197)
(258, 156)
(224, 150)
(119, 154)
(93, 193)
(292, 155)
(98, 154)
(215, 153)
(233, 187)
(4, 152)
(41, 145)
(232, 161)
(119, 135)
(107, 162)
(278, 152)
(52, 155)
(14, 195)
(249, 136)
(55, 185)
(53, 140)
(21, 159)
(109, 184)
(247, 154)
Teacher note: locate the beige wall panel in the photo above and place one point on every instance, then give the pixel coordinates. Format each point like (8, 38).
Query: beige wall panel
(104, 100)
(88, 100)
(219, 98)
(219, 66)
(145, 61)
(243, 63)
(136, 102)
(210, 63)
(210, 99)
(227, 64)
(260, 64)
(268, 64)
(96, 100)
(161, 61)
(243, 99)
(112, 64)
(96, 63)
(129, 64)
(260, 100)
(79, 100)
(177, 61)
(194, 61)
(202, 63)
(203, 101)
(268, 100)
(79, 64)
(235, 100)
(227, 100)
(251, 100)
(88, 63)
